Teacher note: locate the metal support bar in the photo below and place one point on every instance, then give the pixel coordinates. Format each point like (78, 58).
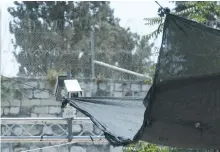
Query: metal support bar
(120, 69)
(70, 132)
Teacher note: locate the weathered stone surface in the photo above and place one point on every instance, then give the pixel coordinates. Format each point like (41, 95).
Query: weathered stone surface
(135, 87)
(19, 149)
(5, 103)
(54, 110)
(41, 94)
(76, 128)
(15, 102)
(145, 87)
(14, 110)
(5, 150)
(31, 102)
(41, 110)
(118, 94)
(118, 87)
(18, 131)
(25, 111)
(77, 149)
(30, 85)
(50, 102)
(34, 115)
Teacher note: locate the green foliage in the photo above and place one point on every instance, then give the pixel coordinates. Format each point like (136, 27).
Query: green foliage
(51, 35)
(9, 89)
(144, 147)
(199, 11)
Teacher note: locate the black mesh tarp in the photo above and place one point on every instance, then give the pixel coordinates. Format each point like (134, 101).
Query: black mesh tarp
(182, 108)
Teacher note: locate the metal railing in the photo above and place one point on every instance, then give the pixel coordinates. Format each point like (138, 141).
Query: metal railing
(48, 130)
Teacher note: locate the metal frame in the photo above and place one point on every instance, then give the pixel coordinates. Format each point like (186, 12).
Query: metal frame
(63, 131)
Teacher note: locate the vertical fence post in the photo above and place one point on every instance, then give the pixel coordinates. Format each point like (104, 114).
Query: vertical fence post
(69, 120)
(92, 52)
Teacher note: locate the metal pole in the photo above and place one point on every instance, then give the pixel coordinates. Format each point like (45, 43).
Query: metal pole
(120, 69)
(92, 52)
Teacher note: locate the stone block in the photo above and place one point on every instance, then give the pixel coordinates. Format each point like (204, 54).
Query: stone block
(14, 110)
(34, 115)
(5, 150)
(25, 111)
(41, 94)
(50, 102)
(145, 87)
(118, 87)
(30, 85)
(31, 102)
(135, 87)
(18, 131)
(19, 149)
(54, 110)
(6, 111)
(77, 149)
(5, 103)
(118, 94)
(15, 102)
(41, 110)
(76, 128)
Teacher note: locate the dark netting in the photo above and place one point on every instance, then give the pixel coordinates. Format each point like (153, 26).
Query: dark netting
(183, 108)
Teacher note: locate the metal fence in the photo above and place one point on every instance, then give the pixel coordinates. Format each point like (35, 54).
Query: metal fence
(41, 51)
(58, 131)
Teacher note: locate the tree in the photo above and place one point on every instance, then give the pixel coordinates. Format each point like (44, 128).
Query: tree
(56, 35)
(206, 12)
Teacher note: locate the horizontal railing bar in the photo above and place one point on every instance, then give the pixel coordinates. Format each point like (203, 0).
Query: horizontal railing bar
(5, 121)
(9, 139)
(44, 118)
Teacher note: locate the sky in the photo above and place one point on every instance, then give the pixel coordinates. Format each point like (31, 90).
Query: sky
(131, 13)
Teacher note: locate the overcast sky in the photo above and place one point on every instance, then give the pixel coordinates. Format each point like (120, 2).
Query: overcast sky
(131, 14)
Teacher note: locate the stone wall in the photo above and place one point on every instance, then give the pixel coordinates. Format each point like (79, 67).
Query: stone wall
(34, 98)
